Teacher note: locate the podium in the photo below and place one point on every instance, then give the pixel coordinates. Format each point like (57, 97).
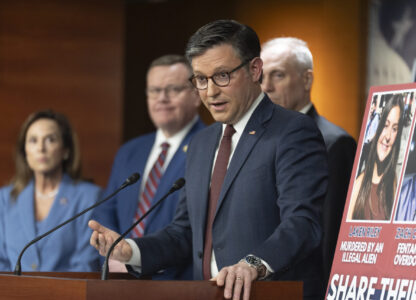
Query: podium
(80, 286)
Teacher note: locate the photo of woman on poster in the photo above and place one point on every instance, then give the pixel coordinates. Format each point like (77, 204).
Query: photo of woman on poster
(374, 188)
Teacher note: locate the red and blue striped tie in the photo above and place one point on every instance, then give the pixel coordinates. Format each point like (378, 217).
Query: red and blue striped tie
(149, 190)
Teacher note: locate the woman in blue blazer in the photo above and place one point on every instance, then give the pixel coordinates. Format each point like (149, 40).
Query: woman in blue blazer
(45, 191)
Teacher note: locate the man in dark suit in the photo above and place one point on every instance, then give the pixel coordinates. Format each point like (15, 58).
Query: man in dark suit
(173, 107)
(287, 80)
(255, 180)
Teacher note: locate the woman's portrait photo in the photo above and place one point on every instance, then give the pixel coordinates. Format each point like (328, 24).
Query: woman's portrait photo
(375, 185)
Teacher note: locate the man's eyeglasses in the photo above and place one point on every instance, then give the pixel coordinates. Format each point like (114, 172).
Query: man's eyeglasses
(170, 91)
(221, 79)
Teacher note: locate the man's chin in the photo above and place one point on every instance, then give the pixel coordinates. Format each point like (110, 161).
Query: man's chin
(218, 116)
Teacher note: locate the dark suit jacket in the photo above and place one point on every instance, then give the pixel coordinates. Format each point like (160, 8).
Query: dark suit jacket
(270, 204)
(118, 213)
(341, 149)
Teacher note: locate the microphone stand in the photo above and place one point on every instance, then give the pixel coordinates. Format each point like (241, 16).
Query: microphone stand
(176, 186)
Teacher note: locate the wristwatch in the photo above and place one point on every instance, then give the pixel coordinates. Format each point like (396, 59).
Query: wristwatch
(256, 263)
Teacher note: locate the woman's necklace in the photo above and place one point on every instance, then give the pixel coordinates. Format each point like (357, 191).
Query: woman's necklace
(49, 195)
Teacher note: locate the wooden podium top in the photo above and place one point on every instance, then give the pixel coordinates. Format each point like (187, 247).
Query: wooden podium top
(74, 285)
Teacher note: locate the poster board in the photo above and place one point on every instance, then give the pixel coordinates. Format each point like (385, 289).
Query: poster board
(375, 256)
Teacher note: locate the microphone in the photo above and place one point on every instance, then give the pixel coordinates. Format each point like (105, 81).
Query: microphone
(129, 181)
(176, 186)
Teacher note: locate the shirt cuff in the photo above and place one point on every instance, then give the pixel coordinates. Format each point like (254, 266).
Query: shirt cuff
(136, 257)
(267, 267)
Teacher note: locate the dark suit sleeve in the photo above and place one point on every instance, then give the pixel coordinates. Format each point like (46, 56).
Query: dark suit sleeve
(301, 178)
(340, 160)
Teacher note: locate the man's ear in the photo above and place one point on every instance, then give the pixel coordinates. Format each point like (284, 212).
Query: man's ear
(308, 79)
(256, 68)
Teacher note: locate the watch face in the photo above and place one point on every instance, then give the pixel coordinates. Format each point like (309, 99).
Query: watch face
(256, 263)
(251, 259)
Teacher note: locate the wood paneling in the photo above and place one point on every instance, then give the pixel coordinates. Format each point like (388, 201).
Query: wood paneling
(88, 59)
(67, 56)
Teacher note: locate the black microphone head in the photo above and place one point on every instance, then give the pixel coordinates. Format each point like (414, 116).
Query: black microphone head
(133, 178)
(178, 184)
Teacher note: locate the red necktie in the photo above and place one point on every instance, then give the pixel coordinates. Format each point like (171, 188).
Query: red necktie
(150, 190)
(217, 179)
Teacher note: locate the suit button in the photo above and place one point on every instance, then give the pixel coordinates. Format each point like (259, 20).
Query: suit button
(34, 266)
(200, 254)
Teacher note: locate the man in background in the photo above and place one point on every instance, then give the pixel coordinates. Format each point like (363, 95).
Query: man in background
(287, 80)
(159, 156)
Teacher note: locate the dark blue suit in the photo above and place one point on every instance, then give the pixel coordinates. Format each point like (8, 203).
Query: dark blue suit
(341, 149)
(269, 206)
(118, 213)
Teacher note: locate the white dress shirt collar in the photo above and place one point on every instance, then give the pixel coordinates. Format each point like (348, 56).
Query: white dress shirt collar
(175, 140)
(306, 108)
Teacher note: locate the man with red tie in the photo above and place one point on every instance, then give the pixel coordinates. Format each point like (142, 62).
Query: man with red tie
(159, 157)
(255, 180)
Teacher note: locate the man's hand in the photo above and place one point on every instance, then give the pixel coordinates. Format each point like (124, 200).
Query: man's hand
(238, 276)
(102, 238)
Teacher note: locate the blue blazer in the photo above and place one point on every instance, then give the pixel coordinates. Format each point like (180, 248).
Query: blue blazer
(66, 249)
(118, 213)
(269, 206)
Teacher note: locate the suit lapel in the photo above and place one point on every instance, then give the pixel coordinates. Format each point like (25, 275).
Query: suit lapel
(204, 174)
(253, 131)
(167, 179)
(25, 202)
(57, 212)
(312, 112)
(26, 206)
(131, 195)
(170, 175)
